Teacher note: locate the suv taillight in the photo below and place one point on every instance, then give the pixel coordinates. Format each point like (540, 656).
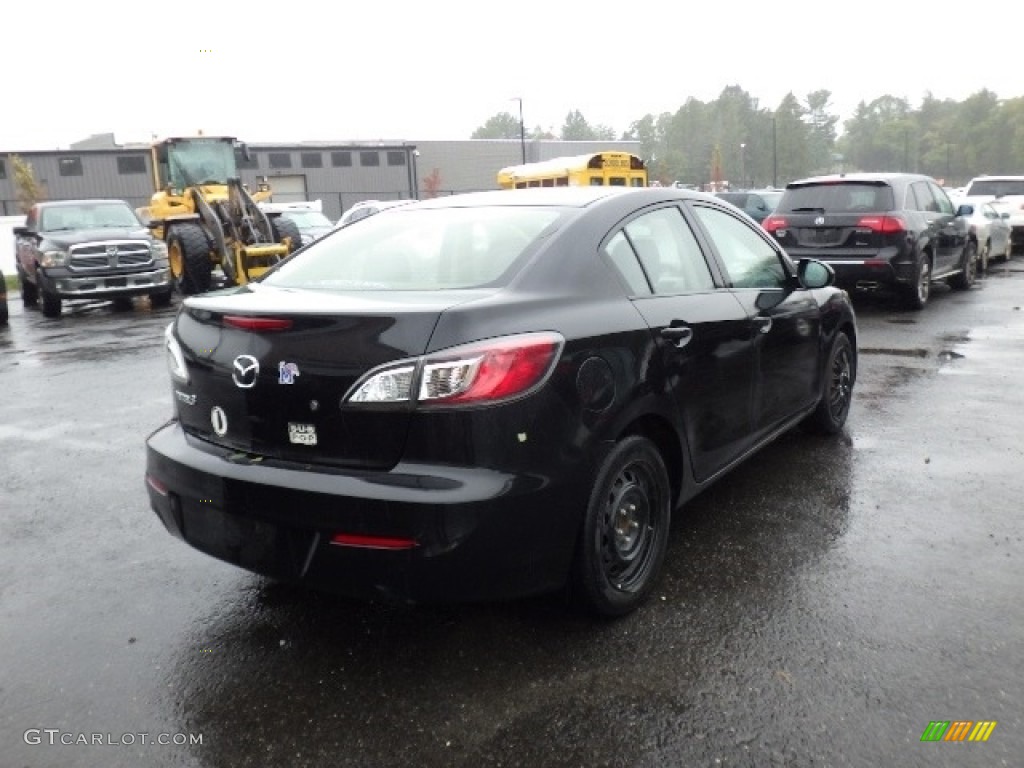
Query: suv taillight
(885, 225)
(773, 223)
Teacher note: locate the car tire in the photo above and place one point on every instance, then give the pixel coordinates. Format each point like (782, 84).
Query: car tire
(624, 535)
(29, 291)
(836, 388)
(969, 272)
(123, 304)
(3, 312)
(983, 256)
(51, 303)
(189, 256)
(161, 298)
(917, 294)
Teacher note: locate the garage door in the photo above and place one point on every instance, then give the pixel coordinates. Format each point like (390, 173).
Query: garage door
(288, 189)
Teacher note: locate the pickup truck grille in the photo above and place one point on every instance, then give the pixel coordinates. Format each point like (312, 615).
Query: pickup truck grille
(110, 254)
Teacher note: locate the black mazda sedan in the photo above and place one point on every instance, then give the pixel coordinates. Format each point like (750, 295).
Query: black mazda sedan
(492, 395)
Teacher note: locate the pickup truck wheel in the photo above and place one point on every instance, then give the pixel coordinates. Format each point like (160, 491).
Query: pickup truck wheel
(51, 303)
(189, 256)
(624, 535)
(29, 292)
(916, 295)
(161, 298)
(965, 279)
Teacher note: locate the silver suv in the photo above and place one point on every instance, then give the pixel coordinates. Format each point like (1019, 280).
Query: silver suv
(1008, 190)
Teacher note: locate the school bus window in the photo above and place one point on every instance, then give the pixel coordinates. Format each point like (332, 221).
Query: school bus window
(547, 182)
(535, 183)
(617, 181)
(596, 181)
(520, 185)
(562, 181)
(638, 182)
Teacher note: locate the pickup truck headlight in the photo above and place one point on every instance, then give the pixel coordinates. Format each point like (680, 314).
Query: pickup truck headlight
(159, 249)
(54, 258)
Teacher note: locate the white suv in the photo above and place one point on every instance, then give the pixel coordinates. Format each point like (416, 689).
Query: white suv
(1008, 190)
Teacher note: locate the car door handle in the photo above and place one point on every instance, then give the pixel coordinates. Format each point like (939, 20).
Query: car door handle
(680, 335)
(763, 324)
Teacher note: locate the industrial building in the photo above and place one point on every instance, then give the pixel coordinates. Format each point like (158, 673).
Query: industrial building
(338, 174)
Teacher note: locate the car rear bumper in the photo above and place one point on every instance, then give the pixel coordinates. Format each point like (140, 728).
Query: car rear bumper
(416, 533)
(881, 270)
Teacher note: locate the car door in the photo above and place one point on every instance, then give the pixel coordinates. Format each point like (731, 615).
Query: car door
(785, 320)
(25, 250)
(937, 211)
(702, 336)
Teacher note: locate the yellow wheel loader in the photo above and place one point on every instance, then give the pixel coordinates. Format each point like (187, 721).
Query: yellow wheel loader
(209, 219)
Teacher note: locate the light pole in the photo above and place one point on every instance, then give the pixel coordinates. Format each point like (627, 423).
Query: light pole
(743, 165)
(775, 156)
(522, 128)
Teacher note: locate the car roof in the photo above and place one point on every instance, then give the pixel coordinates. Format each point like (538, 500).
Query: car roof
(868, 177)
(569, 197)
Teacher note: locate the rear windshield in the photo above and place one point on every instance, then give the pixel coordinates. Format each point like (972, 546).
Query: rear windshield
(421, 250)
(997, 187)
(844, 197)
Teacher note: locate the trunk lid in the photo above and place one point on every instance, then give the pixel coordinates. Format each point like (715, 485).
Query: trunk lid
(277, 363)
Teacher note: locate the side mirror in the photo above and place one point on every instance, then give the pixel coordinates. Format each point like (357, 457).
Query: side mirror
(21, 232)
(1004, 215)
(815, 274)
(965, 210)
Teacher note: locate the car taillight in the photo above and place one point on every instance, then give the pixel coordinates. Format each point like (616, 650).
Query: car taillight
(482, 372)
(773, 223)
(885, 225)
(257, 323)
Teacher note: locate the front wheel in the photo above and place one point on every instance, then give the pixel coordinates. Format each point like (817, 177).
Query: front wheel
(624, 536)
(964, 279)
(836, 388)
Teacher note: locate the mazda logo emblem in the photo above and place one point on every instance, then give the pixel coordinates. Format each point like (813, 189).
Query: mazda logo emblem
(245, 369)
(219, 421)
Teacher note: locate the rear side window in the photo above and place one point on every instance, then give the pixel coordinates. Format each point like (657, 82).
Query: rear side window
(845, 197)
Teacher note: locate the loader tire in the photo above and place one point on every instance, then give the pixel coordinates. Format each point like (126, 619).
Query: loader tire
(283, 228)
(189, 256)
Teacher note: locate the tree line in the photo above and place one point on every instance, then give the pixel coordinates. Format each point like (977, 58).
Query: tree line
(732, 138)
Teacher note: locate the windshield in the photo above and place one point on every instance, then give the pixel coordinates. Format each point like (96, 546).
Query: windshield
(997, 187)
(846, 197)
(308, 219)
(199, 161)
(87, 216)
(420, 250)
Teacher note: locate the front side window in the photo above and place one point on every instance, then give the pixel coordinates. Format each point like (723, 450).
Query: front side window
(750, 260)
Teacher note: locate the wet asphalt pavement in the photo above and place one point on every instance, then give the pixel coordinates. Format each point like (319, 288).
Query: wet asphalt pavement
(819, 607)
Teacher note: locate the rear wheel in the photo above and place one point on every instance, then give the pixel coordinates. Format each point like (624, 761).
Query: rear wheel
(161, 298)
(983, 256)
(29, 291)
(624, 536)
(916, 295)
(969, 272)
(189, 256)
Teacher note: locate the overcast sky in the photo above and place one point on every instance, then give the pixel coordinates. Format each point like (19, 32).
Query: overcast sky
(399, 70)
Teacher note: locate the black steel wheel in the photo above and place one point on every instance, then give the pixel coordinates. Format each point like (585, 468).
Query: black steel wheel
(625, 533)
(836, 388)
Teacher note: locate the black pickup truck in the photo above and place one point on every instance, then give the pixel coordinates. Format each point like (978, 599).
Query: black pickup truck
(88, 249)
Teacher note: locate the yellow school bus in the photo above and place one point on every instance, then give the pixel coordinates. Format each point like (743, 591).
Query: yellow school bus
(597, 169)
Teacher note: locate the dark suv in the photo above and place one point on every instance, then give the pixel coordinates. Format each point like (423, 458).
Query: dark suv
(878, 230)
